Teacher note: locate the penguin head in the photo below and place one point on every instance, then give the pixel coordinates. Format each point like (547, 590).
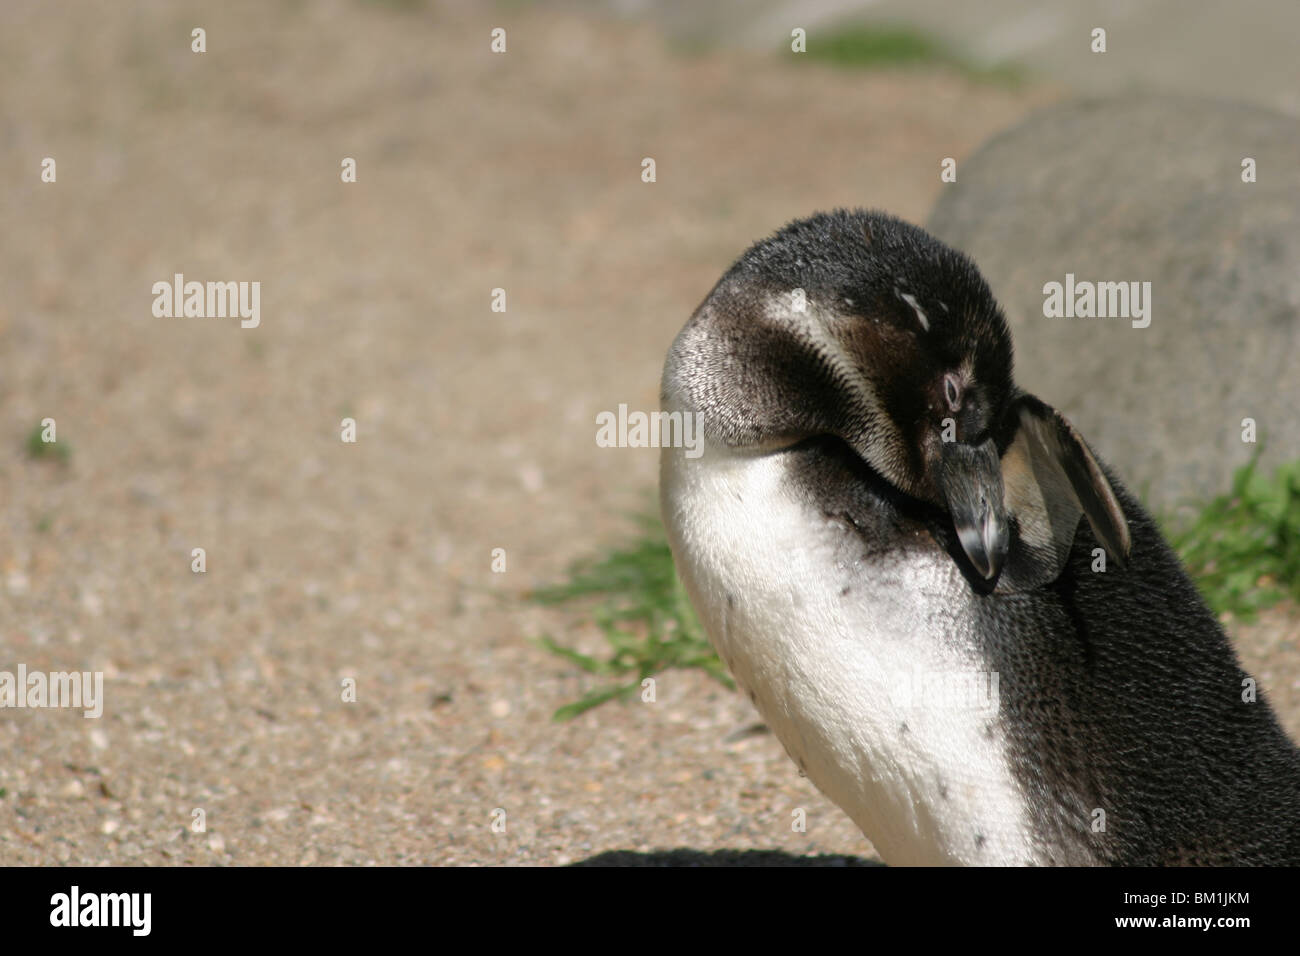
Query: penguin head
(860, 326)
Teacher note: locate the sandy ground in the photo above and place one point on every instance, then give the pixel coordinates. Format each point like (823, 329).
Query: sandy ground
(372, 561)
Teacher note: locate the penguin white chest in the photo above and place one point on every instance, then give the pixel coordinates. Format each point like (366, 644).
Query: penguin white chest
(859, 658)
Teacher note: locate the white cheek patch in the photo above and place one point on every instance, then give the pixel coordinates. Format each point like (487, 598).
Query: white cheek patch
(880, 442)
(920, 313)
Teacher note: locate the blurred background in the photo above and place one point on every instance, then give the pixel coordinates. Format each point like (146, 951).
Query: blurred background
(413, 560)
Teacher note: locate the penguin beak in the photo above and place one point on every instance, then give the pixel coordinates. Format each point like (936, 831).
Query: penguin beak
(970, 477)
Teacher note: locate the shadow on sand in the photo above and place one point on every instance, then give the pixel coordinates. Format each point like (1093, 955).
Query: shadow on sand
(718, 858)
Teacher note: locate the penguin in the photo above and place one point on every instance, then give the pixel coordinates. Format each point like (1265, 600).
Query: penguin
(956, 619)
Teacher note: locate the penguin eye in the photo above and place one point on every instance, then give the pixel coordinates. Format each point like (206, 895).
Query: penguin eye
(952, 391)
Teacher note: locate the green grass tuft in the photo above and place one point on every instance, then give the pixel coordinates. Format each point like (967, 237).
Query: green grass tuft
(404, 5)
(48, 450)
(644, 614)
(1243, 548)
(879, 47)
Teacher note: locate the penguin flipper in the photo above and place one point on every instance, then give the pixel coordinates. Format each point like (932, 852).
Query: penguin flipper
(1051, 478)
